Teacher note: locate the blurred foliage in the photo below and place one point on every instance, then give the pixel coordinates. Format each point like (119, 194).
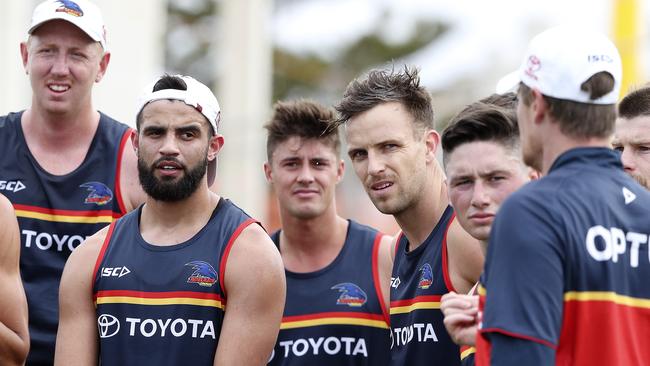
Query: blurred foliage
(309, 75)
(190, 38)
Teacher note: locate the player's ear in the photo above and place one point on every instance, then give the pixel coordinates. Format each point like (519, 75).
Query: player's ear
(135, 141)
(268, 172)
(103, 66)
(431, 140)
(215, 145)
(24, 55)
(340, 170)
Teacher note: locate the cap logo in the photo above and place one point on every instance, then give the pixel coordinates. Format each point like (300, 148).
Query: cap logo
(70, 7)
(600, 58)
(533, 65)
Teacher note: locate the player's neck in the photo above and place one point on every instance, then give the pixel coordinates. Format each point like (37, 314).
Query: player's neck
(309, 245)
(562, 143)
(61, 144)
(71, 126)
(169, 223)
(421, 218)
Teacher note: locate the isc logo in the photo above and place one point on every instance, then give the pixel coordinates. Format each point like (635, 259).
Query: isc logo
(115, 271)
(11, 185)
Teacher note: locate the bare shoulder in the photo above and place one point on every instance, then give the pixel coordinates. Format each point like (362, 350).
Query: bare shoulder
(6, 209)
(256, 244)
(85, 255)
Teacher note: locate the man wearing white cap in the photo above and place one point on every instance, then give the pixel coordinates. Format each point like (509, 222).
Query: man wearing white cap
(186, 279)
(67, 168)
(566, 273)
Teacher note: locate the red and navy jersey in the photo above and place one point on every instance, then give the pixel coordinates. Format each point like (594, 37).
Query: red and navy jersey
(164, 305)
(420, 278)
(336, 315)
(567, 270)
(55, 214)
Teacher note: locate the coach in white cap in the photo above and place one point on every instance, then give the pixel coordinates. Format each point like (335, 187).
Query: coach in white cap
(188, 278)
(68, 169)
(567, 268)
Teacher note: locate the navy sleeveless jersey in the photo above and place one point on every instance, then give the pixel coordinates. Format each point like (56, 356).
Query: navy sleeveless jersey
(55, 214)
(164, 305)
(567, 266)
(420, 278)
(336, 315)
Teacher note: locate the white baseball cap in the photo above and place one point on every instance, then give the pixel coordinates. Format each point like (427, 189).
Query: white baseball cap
(82, 13)
(198, 96)
(560, 59)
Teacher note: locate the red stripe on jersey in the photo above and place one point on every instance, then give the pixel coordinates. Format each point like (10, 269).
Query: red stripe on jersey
(80, 213)
(597, 332)
(333, 315)
(100, 257)
(445, 262)
(158, 295)
(120, 153)
(407, 302)
(375, 276)
(226, 253)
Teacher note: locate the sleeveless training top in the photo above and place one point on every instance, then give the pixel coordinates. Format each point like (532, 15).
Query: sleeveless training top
(336, 316)
(55, 214)
(164, 305)
(420, 278)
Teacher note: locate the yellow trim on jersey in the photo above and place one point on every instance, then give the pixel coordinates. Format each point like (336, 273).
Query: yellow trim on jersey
(415, 306)
(467, 352)
(165, 301)
(334, 321)
(607, 296)
(64, 218)
(481, 290)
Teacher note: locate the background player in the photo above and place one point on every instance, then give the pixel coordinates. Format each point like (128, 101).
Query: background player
(69, 170)
(632, 134)
(482, 157)
(188, 278)
(14, 337)
(337, 270)
(392, 143)
(565, 280)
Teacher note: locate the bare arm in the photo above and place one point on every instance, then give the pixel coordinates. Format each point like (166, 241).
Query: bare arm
(132, 193)
(256, 290)
(77, 338)
(14, 337)
(465, 258)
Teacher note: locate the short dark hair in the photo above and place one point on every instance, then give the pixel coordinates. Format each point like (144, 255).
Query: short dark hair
(302, 118)
(169, 82)
(635, 103)
(387, 85)
(581, 120)
(491, 119)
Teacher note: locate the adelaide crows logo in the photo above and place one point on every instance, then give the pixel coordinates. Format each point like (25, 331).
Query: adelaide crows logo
(99, 194)
(203, 275)
(70, 7)
(351, 294)
(426, 276)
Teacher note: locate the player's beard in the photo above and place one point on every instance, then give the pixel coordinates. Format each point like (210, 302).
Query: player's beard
(641, 179)
(168, 190)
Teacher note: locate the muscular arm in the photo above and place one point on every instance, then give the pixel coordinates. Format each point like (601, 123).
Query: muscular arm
(465, 258)
(255, 290)
(14, 337)
(77, 337)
